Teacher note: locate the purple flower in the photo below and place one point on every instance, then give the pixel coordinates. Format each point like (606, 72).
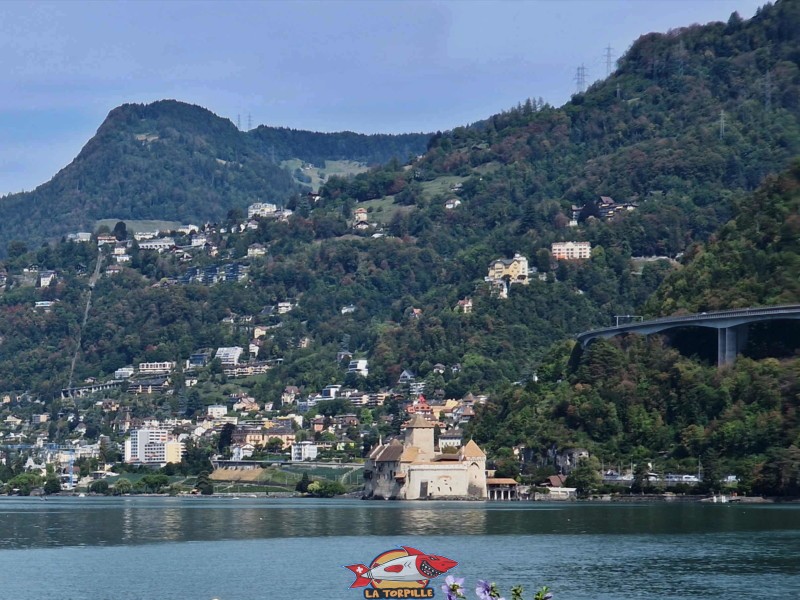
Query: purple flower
(452, 587)
(483, 590)
(448, 593)
(455, 583)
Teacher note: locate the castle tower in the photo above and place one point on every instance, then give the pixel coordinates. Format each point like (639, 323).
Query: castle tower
(419, 434)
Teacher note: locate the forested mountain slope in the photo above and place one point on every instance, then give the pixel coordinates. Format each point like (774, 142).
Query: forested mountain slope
(177, 162)
(638, 399)
(688, 120)
(314, 147)
(754, 259)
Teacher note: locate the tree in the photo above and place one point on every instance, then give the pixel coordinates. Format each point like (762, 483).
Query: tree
(16, 248)
(585, 478)
(120, 231)
(100, 487)
(122, 486)
(274, 445)
(155, 482)
(326, 489)
(204, 485)
(712, 475)
(52, 485)
(302, 485)
(225, 437)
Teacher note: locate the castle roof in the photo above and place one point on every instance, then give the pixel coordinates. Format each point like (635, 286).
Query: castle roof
(419, 422)
(390, 452)
(471, 450)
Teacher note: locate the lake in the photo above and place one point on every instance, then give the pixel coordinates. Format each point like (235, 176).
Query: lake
(246, 548)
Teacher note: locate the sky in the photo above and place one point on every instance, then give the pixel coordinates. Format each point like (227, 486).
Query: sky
(367, 66)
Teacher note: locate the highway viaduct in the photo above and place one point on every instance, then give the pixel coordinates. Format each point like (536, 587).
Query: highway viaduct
(731, 325)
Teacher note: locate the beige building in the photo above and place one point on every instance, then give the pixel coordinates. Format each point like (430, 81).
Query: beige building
(571, 250)
(413, 470)
(513, 270)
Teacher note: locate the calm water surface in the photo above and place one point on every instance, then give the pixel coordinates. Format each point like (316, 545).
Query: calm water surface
(131, 548)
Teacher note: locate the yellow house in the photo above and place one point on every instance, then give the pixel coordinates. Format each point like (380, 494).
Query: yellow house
(514, 270)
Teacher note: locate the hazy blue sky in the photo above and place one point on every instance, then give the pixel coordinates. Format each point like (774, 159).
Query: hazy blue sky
(368, 66)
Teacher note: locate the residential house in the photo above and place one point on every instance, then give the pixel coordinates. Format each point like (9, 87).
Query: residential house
(290, 394)
(452, 203)
(256, 250)
(46, 278)
(450, 439)
(513, 270)
(102, 240)
(464, 306)
(80, 236)
(406, 377)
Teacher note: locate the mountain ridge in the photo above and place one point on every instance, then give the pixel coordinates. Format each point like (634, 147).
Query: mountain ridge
(169, 160)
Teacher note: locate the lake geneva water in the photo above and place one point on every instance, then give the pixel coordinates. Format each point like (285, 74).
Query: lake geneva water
(248, 548)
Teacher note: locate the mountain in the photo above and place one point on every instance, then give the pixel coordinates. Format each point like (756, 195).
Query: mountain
(688, 121)
(177, 162)
(680, 136)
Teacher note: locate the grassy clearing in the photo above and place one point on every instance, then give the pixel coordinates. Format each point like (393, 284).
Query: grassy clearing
(383, 209)
(440, 185)
(136, 226)
(318, 175)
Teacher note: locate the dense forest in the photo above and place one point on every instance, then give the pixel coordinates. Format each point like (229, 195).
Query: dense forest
(689, 134)
(635, 398)
(172, 161)
(315, 148)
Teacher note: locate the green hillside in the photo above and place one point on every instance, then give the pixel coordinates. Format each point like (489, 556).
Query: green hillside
(691, 233)
(177, 162)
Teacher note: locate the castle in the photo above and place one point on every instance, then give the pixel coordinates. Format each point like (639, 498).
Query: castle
(413, 470)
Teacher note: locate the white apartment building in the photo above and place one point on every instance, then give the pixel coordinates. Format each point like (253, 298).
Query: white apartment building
(571, 250)
(229, 355)
(359, 367)
(152, 445)
(217, 411)
(158, 244)
(304, 451)
(156, 367)
(124, 373)
(261, 209)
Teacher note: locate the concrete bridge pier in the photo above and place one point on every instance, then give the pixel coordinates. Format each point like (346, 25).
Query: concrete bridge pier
(730, 342)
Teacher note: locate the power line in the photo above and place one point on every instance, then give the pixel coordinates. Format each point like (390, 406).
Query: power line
(580, 79)
(249, 121)
(609, 60)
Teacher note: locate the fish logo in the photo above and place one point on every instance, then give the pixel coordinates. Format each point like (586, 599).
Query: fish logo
(403, 573)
